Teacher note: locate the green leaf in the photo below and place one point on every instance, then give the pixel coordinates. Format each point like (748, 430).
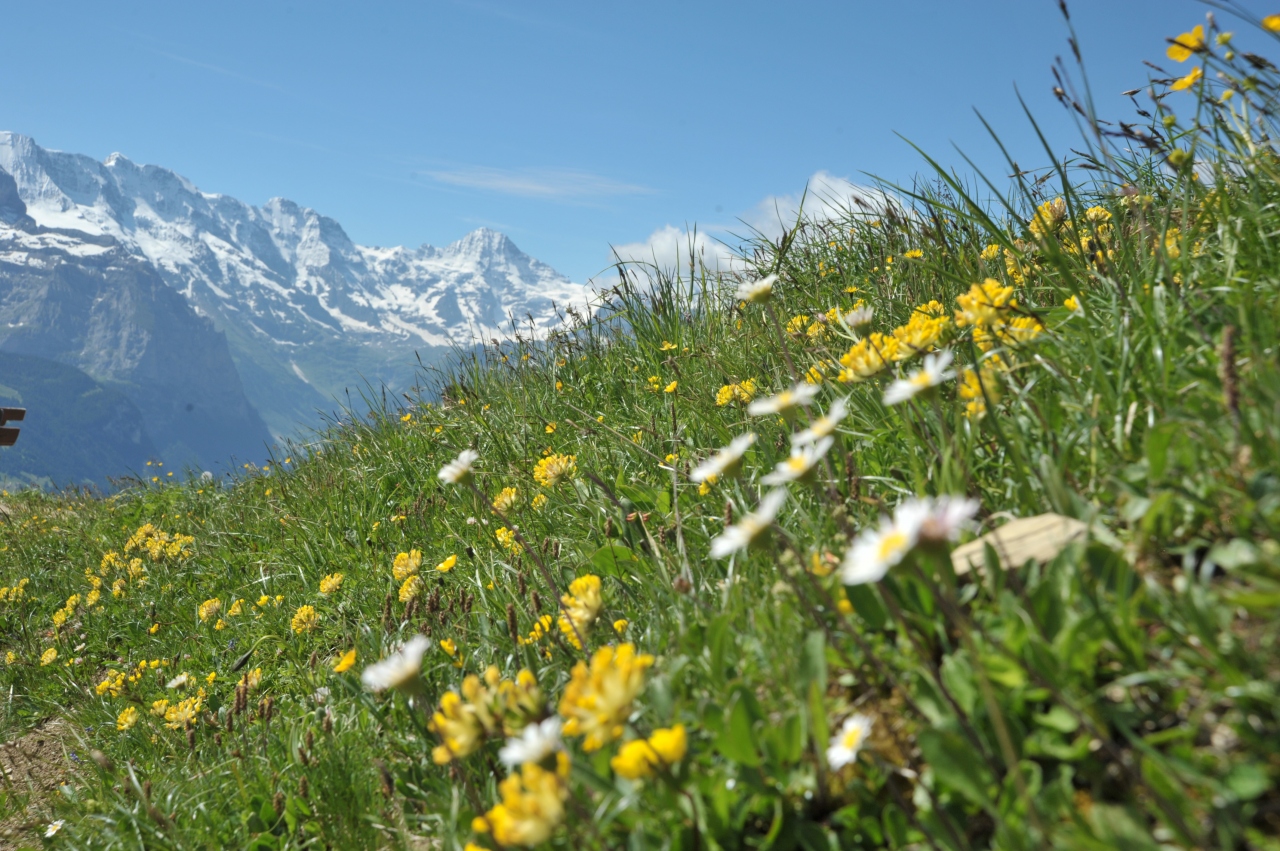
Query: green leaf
(867, 605)
(813, 662)
(957, 676)
(612, 559)
(1058, 718)
(737, 740)
(956, 764)
(1248, 781)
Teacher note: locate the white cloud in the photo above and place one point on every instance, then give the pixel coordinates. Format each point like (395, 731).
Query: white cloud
(826, 197)
(565, 184)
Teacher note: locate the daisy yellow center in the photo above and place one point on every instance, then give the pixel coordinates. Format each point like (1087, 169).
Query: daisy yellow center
(890, 544)
(852, 737)
(921, 379)
(797, 464)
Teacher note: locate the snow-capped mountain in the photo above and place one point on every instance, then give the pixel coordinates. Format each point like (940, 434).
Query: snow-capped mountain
(307, 311)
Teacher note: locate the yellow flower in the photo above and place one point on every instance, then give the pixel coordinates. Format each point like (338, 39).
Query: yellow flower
(550, 429)
(126, 719)
(209, 608)
(305, 619)
(671, 388)
(1271, 23)
(1188, 81)
(10, 657)
(406, 564)
(48, 657)
(984, 304)
(972, 385)
(927, 326)
(464, 720)
(183, 714)
(1072, 304)
(667, 346)
(581, 606)
(506, 500)
(331, 583)
(638, 759)
(532, 805)
(913, 254)
(237, 608)
(344, 664)
(539, 502)
(158, 707)
(553, 469)
(597, 699)
(448, 564)
(213, 675)
(1190, 42)
(412, 587)
(867, 357)
(620, 625)
(508, 540)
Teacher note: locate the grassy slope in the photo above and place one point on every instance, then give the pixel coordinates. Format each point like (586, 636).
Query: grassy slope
(1125, 693)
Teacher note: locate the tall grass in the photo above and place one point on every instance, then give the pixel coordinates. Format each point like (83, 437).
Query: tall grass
(1121, 692)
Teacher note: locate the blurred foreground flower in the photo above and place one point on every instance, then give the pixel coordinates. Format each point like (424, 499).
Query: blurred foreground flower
(535, 743)
(746, 531)
(933, 372)
(846, 743)
(458, 471)
(757, 292)
(401, 670)
(726, 462)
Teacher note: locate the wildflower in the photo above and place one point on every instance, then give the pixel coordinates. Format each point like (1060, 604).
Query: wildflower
(750, 527)
(637, 759)
(620, 626)
(913, 254)
(252, 679)
(785, 402)
(237, 608)
(725, 462)
(209, 608)
(1184, 83)
(506, 500)
(158, 707)
(581, 606)
(448, 564)
(597, 700)
(823, 426)
(412, 587)
(331, 583)
(1072, 303)
(800, 464)
(757, 292)
(550, 428)
(867, 357)
(181, 681)
(183, 714)
(858, 317)
(405, 565)
(464, 720)
(984, 304)
(671, 388)
(667, 346)
(458, 471)
(972, 386)
(1191, 42)
(48, 657)
(213, 675)
(875, 551)
(538, 502)
(10, 658)
(795, 325)
(553, 469)
(742, 392)
(53, 828)
(927, 326)
(845, 745)
(933, 372)
(532, 805)
(535, 743)
(304, 619)
(507, 538)
(401, 670)
(1271, 23)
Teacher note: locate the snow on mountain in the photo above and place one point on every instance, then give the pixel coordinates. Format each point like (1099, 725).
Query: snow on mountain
(290, 271)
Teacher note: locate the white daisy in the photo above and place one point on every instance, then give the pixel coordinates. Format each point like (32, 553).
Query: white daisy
(181, 681)
(725, 462)
(933, 372)
(53, 828)
(823, 426)
(845, 745)
(947, 517)
(535, 743)
(784, 402)
(757, 291)
(400, 670)
(800, 464)
(458, 471)
(876, 550)
(858, 317)
(749, 528)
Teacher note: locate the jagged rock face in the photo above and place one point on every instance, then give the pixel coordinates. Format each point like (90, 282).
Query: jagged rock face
(307, 311)
(85, 301)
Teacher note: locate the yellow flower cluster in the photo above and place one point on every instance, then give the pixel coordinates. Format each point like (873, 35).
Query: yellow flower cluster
(597, 699)
(539, 502)
(506, 500)
(16, 593)
(48, 657)
(112, 684)
(127, 718)
(974, 382)
(304, 619)
(741, 392)
(926, 329)
(531, 806)
(209, 609)
(508, 540)
(641, 757)
(159, 544)
(61, 616)
(541, 629)
(555, 468)
(867, 357)
(412, 587)
(483, 709)
(331, 583)
(184, 713)
(406, 565)
(581, 606)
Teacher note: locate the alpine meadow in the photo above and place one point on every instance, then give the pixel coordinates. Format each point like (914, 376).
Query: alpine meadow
(950, 522)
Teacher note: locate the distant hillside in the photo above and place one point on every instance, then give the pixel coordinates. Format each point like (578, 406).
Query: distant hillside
(76, 431)
(84, 301)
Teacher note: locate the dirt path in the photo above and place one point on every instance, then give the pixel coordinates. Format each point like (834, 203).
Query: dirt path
(31, 769)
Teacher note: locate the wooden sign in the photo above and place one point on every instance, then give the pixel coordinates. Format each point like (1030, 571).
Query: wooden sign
(9, 435)
(1038, 539)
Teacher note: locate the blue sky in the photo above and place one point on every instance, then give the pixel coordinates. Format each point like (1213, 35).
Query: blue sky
(571, 126)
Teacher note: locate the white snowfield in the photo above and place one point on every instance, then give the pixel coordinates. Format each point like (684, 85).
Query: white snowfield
(284, 271)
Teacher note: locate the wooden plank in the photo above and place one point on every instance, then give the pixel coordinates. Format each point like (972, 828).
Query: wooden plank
(8, 436)
(12, 415)
(1038, 538)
